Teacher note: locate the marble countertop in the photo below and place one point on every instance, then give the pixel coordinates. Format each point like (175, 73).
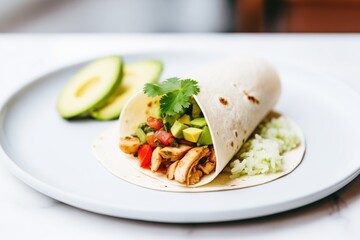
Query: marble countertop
(25, 213)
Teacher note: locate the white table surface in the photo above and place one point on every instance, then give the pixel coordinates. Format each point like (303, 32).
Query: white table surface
(27, 214)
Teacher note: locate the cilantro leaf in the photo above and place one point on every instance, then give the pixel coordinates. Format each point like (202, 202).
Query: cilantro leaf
(175, 94)
(173, 103)
(171, 84)
(189, 87)
(153, 90)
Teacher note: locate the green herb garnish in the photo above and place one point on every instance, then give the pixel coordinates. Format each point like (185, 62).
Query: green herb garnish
(175, 94)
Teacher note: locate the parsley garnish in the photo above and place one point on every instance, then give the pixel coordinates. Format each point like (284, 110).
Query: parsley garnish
(175, 94)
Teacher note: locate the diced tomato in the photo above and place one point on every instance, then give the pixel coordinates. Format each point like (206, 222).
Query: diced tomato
(144, 155)
(151, 140)
(164, 137)
(155, 123)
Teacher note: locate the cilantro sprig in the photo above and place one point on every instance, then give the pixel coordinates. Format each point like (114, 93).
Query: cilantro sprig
(175, 94)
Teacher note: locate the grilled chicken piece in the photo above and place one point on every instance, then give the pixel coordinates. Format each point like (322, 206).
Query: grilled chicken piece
(170, 173)
(188, 162)
(212, 157)
(207, 167)
(195, 176)
(156, 159)
(129, 144)
(174, 153)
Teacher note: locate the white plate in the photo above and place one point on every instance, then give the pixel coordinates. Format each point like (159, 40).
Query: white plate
(54, 156)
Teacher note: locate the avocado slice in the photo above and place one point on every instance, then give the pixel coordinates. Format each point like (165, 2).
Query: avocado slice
(136, 74)
(177, 129)
(205, 137)
(198, 122)
(90, 87)
(192, 134)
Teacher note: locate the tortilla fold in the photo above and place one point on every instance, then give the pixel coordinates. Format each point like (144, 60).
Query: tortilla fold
(235, 95)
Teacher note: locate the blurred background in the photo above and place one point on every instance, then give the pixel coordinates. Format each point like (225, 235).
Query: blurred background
(179, 16)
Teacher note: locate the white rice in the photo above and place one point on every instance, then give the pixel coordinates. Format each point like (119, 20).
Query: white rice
(262, 152)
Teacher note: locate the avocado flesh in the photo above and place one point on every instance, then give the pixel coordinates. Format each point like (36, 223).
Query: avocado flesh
(185, 119)
(136, 74)
(155, 112)
(90, 87)
(177, 129)
(171, 119)
(198, 122)
(205, 137)
(192, 134)
(141, 135)
(196, 111)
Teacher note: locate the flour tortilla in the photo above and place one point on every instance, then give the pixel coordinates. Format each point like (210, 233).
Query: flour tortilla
(235, 95)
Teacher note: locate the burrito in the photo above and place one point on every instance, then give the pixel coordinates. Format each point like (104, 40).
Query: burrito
(185, 130)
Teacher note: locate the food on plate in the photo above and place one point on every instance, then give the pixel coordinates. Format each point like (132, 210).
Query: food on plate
(188, 129)
(264, 151)
(90, 87)
(136, 74)
(101, 88)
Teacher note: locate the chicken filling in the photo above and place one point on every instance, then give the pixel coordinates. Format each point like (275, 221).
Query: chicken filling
(179, 146)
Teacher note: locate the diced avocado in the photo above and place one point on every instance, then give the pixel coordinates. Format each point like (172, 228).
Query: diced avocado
(185, 119)
(171, 119)
(196, 111)
(177, 129)
(136, 74)
(192, 134)
(198, 122)
(91, 87)
(141, 135)
(155, 112)
(205, 137)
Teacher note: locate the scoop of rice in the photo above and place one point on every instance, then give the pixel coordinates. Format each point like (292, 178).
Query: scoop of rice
(262, 153)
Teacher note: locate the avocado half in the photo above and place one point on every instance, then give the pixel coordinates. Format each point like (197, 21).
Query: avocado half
(135, 75)
(90, 87)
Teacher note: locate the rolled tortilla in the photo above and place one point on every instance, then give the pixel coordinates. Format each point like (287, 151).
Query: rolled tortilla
(235, 95)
